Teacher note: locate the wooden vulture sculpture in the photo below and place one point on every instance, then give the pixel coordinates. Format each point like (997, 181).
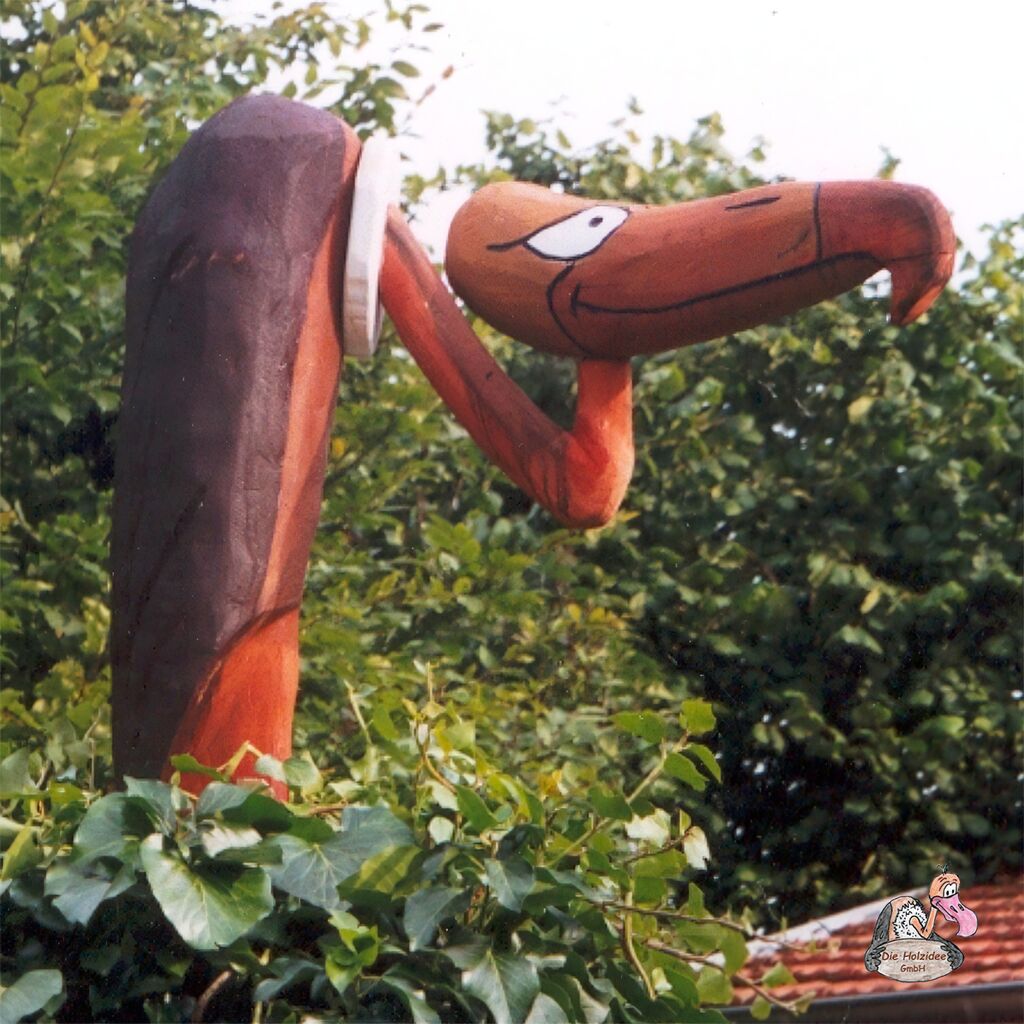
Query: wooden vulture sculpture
(234, 343)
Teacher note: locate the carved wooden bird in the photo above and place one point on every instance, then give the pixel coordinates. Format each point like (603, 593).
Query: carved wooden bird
(234, 346)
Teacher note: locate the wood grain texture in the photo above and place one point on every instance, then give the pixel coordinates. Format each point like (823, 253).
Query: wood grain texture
(230, 376)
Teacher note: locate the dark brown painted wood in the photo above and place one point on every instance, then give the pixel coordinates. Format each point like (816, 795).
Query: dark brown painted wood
(228, 393)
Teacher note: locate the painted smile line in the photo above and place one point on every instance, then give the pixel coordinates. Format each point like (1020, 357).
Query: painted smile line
(576, 303)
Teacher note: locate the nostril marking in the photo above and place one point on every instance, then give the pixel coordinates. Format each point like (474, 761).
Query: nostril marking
(595, 221)
(767, 201)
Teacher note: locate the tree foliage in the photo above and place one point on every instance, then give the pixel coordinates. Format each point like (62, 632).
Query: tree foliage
(517, 811)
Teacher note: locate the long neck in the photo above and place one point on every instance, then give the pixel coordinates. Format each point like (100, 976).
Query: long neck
(581, 475)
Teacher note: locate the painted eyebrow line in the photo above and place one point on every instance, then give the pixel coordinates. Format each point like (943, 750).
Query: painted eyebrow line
(754, 202)
(505, 246)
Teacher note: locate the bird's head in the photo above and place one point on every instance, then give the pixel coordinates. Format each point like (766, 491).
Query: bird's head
(605, 280)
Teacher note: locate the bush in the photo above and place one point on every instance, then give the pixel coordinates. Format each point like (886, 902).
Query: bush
(478, 899)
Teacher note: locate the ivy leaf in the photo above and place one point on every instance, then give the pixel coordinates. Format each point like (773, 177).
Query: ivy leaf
(546, 1011)
(383, 872)
(706, 758)
(426, 909)
(859, 408)
(210, 905)
(261, 812)
(857, 636)
(270, 766)
(382, 722)
(221, 796)
(668, 864)
(734, 949)
(313, 870)
(649, 889)
(652, 828)
(22, 855)
(81, 885)
(29, 994)
(369, 829)
(683, 986)
(412, 995)
(720, 642)
(778, 974)
(510, 881)
(475, 811)
(287, 971)
(506, 984)
(188, 765)
(15, 777)
(714, 987)
(112, 827)
(216, 837)
(315, 861)
(159, 800)
(244, 806)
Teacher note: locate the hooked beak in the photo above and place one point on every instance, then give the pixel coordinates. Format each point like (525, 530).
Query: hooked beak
(905, 229)
(671, 276)
(955, 911)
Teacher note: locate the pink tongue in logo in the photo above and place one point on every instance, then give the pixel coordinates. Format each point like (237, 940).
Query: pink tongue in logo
(953, 910)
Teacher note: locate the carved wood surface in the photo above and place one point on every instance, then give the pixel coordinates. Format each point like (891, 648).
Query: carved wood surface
(609, 281)
(233, 351)
(579, 475)
(229, 384)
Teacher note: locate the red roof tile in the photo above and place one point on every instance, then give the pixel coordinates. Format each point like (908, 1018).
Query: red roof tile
(830, 957)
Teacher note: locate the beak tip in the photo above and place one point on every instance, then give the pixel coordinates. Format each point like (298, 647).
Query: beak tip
(916, 284)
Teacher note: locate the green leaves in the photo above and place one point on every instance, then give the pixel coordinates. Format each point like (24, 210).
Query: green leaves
(697, 717)
(510, 880)
(313, 864)
(112, 827)
(682, 768)
(427, 909)
(381, 873)
(313, 870)
(505, 983)
(209, 905)
(645, 724)
(301, 905)
(477, 813)
(80, 886)
(607, 803)
(29, 994)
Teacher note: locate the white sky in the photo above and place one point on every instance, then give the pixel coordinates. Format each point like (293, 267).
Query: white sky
(827, 83)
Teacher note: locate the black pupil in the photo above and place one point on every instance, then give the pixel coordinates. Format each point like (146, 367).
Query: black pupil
(594, 221)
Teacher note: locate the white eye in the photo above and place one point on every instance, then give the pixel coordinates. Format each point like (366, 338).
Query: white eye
(577, 235)
(949, 889)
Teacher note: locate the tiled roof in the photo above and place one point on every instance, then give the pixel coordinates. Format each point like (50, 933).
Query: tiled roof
(832, 964)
